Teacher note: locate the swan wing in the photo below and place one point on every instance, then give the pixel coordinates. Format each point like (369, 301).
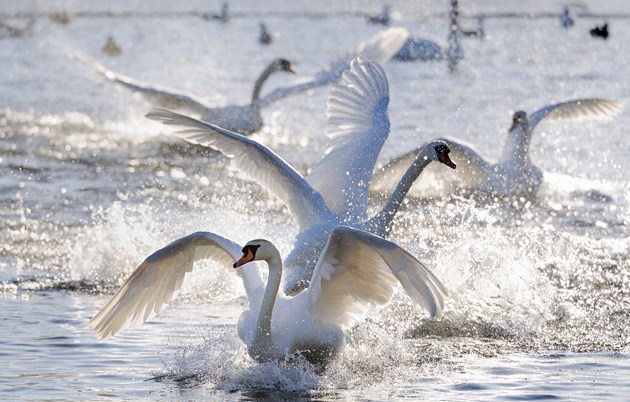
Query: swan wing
(357, 269)
(269, 170)
(579, 108)
(158, 279)
(380, 48)
(471, 166)
(358, 127)
(159, 96)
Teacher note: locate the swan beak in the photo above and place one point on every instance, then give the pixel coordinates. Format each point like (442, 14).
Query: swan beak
(445, 159)
(247, 257)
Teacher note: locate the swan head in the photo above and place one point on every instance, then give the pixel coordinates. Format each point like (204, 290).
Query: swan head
(438, 151)
(283, 65)
(519, 119)
(256, 250)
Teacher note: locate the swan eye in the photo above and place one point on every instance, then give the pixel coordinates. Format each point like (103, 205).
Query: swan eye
(252, 248)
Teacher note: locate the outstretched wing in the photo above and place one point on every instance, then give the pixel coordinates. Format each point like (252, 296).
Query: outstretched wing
(380, 48)
(157, 281)
(259, 162)
(357, 269)
(158, 96)
(472, 166)
(578, 108)
(358, 127)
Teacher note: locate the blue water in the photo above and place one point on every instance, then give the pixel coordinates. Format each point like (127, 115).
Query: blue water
(539, 300)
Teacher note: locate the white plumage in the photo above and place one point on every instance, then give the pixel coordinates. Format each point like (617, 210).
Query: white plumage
(355, 270)
(357, 110)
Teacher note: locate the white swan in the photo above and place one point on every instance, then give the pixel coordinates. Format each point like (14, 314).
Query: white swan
(357, 114)
(354, 270)
(246, 119)
(428, 48)
(243, 119)
(513, 174)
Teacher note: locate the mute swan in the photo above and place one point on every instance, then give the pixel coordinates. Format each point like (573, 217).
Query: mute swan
(246, 119)
(265, 36)
(357, 115)
(355, 269)
(428, 48)
(513, 174)
(243, 119)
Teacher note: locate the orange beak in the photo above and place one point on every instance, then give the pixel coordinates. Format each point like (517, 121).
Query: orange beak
(247, 257)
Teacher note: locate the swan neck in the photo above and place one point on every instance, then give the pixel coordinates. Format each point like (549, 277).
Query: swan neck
(382, 222)
(516, 149)
(259, 84)
(263, 325)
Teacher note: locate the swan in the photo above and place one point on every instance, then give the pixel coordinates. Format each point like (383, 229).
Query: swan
(246, 119)
(428, 48)
(380, 48)
(354, 270)
(265, 36)
(359, 126)
(243, 119)
(513, 174)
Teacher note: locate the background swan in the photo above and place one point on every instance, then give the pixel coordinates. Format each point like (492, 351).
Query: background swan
(354, 270)
(357, 114)
(243, 119)
(265, 36)
(513, 174)
(246, 119)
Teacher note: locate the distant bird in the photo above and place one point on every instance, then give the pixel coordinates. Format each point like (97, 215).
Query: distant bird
(600, 32)
(111, 48)
(62, 18)
(480, 32)
(223, 17)
(513, 174)
(381, 19)
(566, 19)
(265, 36)
(10, 31)
(428, 48)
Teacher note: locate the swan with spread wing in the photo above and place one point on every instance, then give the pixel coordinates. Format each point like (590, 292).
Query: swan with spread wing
(336, 190)
(513, 174)
(247, 119)
(354, 270)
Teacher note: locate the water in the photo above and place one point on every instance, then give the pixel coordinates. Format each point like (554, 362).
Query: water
(539, 291)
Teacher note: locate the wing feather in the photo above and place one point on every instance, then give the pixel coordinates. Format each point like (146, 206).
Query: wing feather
(269, 170)
(159, 278)
(358, 127)
(357, 269)
(579, 108)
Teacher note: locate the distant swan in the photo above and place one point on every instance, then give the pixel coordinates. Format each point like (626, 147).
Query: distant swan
(354, 270)
(357, 115)
(514, 174)
(246, 119)
(381, 19)
(265, 36)
(427, 48)
(223, 17)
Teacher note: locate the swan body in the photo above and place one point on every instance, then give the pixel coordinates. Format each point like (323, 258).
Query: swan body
(513, 174)
(354, 270)
(359, 126)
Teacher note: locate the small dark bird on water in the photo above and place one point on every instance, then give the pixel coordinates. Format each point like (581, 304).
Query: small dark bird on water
(381, 19)
(265, 36)
(600, 32)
